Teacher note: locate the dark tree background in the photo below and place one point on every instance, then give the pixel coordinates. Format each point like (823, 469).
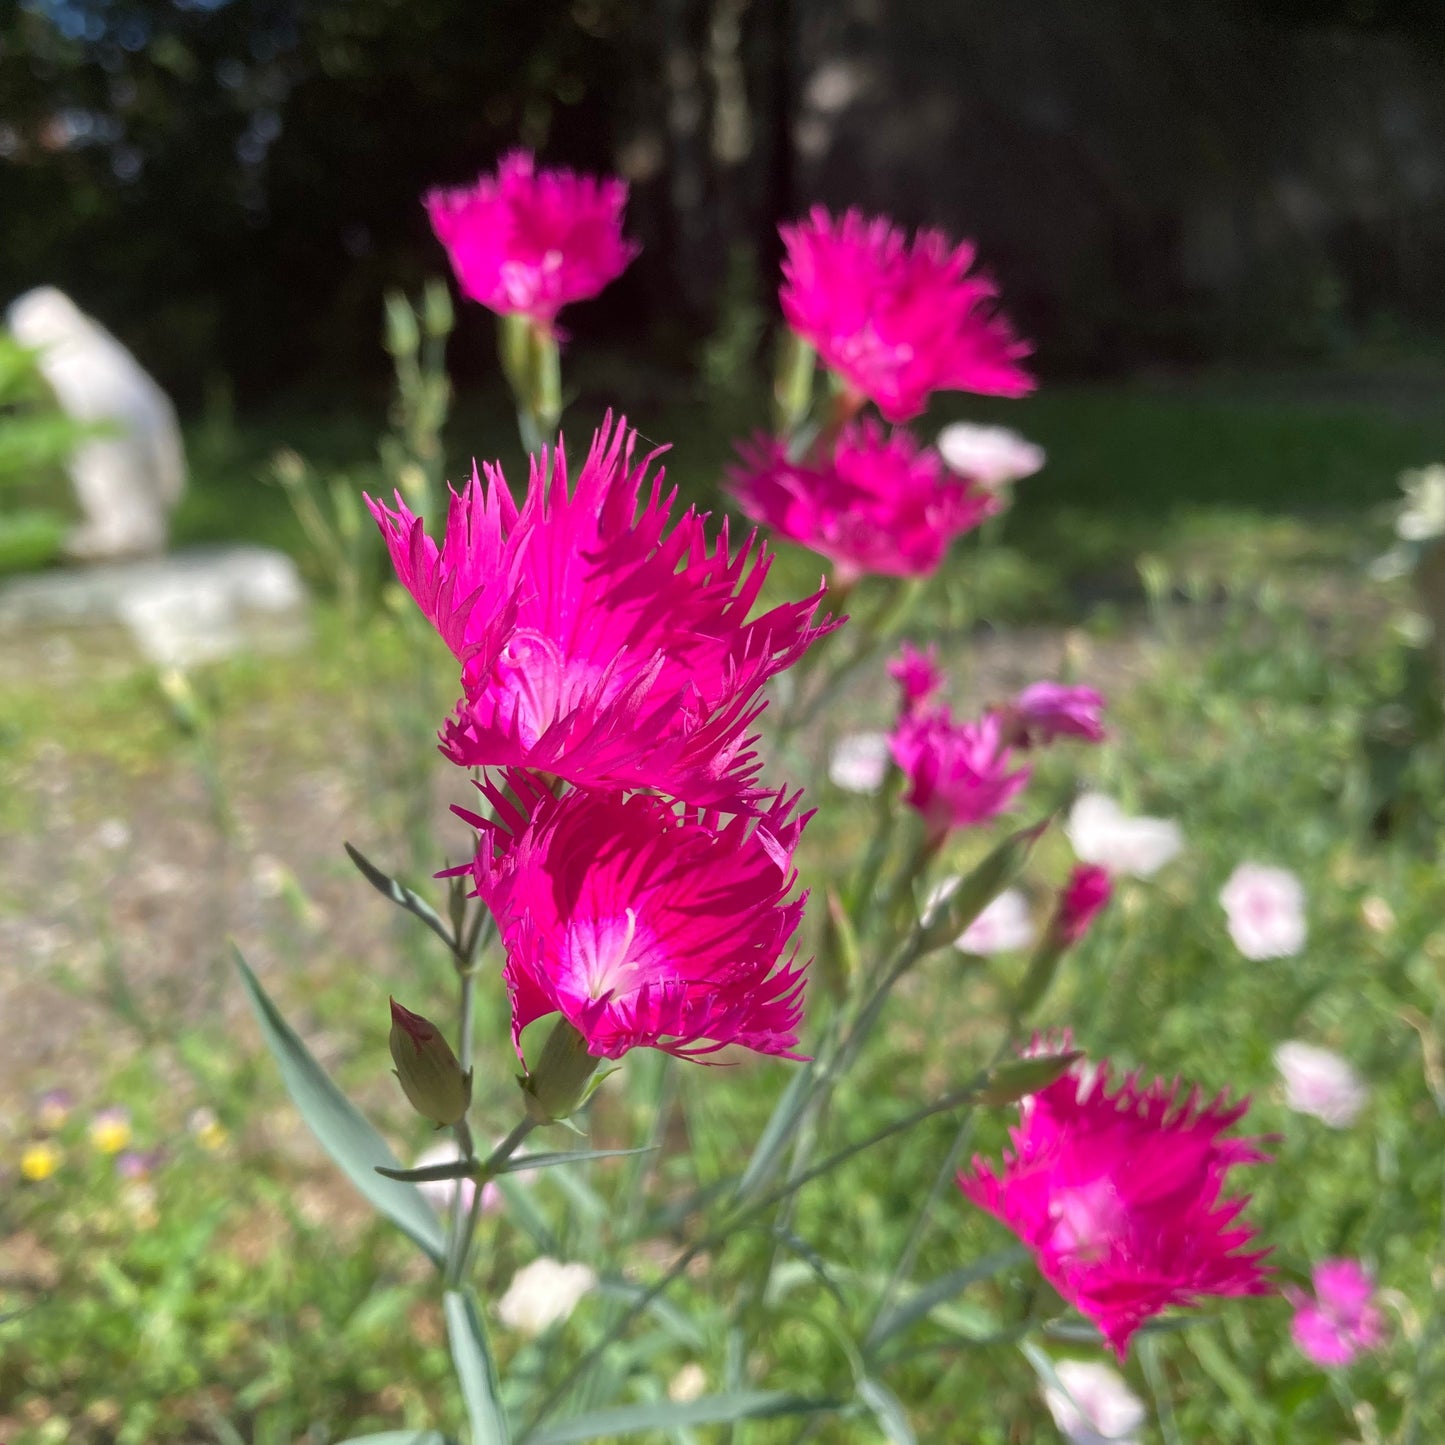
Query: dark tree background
(231, 184)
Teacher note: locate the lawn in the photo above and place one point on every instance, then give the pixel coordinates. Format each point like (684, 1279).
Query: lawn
(234, 1288)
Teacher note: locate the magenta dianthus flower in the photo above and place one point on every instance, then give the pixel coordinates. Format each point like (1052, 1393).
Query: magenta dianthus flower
(958, 773)
(897, 322)
(643, 924)
(918, 675)
(528, 242)
(595, 644)
(1119, 1196)
(882, 505)
(1341, 1320)
(1049, 710)
(1087, 892)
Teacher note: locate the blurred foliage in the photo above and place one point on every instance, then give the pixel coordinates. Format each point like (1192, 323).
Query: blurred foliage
(237, 1292)
(232, 186)
(35, 439)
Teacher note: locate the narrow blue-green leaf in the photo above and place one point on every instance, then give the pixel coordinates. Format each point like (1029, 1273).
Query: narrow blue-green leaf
(668, 1415)
(909, 1312)
(885, 1408)
(814, 1261)
(667, 1314)
(476, 1370)
(431, 1174)
(399, 894)
(400, 1437)
(357, 1149)
(775, 1136)
(518, 1163)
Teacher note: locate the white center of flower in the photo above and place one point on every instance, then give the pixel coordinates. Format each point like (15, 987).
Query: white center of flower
(599, 953)
(1086, 1220)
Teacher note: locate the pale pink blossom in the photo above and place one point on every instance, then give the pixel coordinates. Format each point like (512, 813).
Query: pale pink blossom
(596, 644)
(1092, 1405)
(529, 241)
(1265, 908)
(859, 762)
(897, 321)
(993, 456)
(1321, 1084)
(440, 1193)
(1003, 927)
(1101, 832)
(879, 506)
(542, 1294)
(1119, 1196)
(1341, 1320)
(645, 925)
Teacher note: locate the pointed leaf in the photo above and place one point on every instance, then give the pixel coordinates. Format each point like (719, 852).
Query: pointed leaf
(357, 1149)
(776, 1135)
(400, 1437)
(431, 1174)
(887, 1411)
(476, 1370)
(519, 1163)
(402, 896)
(917, 1306)
(669, 1415)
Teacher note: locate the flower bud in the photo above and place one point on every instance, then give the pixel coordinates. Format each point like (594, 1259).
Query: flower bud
(562, 1080)
(976, 890)
(427, 1069)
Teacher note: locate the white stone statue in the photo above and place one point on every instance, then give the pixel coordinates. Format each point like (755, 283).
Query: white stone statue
(127, 482)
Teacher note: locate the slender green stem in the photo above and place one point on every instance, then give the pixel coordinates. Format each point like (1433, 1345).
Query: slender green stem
(741, 1220)
(457, 1229)
(456, 1224)
(1163, 1406)
(904, 1267)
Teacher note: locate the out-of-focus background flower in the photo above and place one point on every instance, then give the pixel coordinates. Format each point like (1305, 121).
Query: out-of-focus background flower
(1220, 223)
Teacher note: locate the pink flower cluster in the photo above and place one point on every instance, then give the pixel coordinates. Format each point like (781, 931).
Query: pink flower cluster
(880, 505)
(527, 242)
(1120, 1197)
(961, 774)
(605, 644)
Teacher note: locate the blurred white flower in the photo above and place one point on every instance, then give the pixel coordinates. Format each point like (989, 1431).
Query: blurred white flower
(439, 1193)
(993, 456)
(542, 1294)
(688, 1384)
(1265, 908)
(1102, 832)
(1422, 514)
(1003, 926)
(113, 833)
(1321, 1084)
(859, 762)
(1095, 1406)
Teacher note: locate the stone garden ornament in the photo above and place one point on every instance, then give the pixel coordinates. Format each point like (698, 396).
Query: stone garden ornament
(128, 479)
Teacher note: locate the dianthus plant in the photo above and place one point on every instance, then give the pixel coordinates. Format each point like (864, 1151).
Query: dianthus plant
(635, 702)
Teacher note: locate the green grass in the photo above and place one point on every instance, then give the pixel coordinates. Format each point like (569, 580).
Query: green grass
(250, 1298)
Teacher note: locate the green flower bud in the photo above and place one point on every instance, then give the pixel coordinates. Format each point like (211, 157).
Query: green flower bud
(427, 1069)
(562, 1081)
